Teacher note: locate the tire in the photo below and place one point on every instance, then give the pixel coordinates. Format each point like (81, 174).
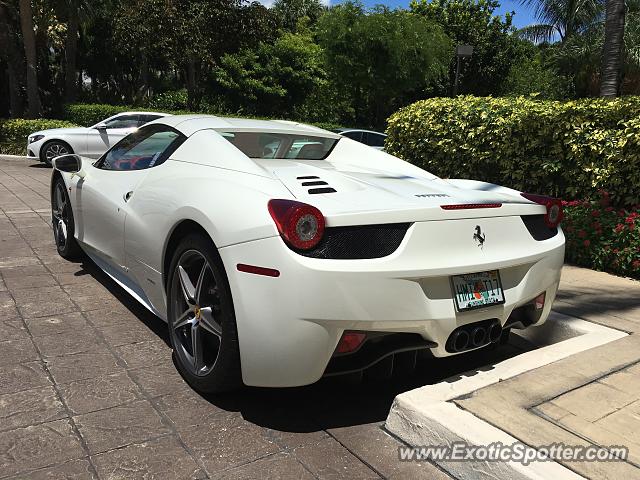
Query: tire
(201, 318)
(63, 222)
(53, 149)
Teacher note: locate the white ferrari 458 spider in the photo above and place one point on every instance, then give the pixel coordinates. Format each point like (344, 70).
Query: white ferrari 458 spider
(279, 252)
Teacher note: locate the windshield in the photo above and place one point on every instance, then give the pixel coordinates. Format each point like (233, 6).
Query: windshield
(281, 145)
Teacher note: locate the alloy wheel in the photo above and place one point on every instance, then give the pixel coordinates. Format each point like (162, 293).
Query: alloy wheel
(60, 218)
(55, 150)
(197, 326)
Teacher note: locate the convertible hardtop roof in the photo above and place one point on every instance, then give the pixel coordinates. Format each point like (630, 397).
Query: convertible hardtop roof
(189, 124)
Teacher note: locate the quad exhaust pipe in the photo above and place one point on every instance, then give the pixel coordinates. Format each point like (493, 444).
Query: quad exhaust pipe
(474, 335)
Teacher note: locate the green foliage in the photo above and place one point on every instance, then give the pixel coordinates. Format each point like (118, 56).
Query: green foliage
(88, 114)
(602, 237)
(14, 133)
(567, 149)
(381, 59)
(289, 13)
(474, 22)
(273, 79)
(173, 100)
(533, 73)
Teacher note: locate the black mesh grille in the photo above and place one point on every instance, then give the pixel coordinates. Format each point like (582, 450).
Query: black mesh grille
(537, 228)
(358, 242)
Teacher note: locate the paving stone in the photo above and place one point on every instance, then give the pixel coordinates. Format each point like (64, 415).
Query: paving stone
(8, 308)
(159, 379)
(76, 278)
(25, 260)
(43, 302)
(625, 422)
(281, 466)
(552, 411)
(144, 354)
(21, 271)
(114, 314)
(290, 440)
(162, 459)
(593, 401)
(186, 409)
(57, 324)
(12, 330)
(66, 266)
(37, 446)
(329, 459)
(375, 447)
(625, 381)
(30, 281)
(137, 332)
(17, 351)
(30, 407)
(119, 426)
(72, 470)
(69, 368)
(229, 442)
(99, 393)
(69, 343)
(24, 376)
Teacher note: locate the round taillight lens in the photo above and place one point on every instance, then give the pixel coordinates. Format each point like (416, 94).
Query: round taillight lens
(554, 213)
(299, 224)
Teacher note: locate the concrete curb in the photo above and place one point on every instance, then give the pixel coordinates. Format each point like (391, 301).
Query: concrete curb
(426, 416)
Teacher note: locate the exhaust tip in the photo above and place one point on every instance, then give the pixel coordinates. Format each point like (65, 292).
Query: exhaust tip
(478, 336)
(495, 332)
(459, 340)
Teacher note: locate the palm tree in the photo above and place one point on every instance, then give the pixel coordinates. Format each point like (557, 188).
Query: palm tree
(611, 73)
(29, 41)
(12, 55)
(560, 18)
(74, 11)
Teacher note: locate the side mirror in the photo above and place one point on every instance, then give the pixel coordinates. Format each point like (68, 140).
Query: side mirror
(70, 163)
(102, 127)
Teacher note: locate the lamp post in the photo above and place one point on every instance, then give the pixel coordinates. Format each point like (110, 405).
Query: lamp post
(461, 51)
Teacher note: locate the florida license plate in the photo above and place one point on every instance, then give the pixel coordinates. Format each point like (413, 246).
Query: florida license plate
(476, 290)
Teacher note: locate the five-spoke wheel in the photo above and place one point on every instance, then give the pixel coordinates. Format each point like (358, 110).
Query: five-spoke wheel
(62, 221)
(201, 318)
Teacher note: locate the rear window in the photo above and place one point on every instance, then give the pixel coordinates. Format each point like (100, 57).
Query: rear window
(280, 145)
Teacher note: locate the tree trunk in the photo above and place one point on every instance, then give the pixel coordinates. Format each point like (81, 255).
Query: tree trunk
(611, 73)
(14, 58)
(29, 40)
(193, 98)
(70, 54)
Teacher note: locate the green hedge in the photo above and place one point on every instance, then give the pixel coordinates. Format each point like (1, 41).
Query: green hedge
(88, 114)
(567, 149)
(14, 133)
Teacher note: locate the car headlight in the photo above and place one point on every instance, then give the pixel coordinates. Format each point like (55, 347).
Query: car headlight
(35, 138)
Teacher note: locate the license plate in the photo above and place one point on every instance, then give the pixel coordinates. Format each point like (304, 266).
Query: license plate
(476, 290)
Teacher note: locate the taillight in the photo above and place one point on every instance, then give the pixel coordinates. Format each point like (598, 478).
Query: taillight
(350, 342)
(299, 224)
(554, 208)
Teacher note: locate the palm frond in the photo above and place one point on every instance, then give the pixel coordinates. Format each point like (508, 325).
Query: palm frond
(538, 33)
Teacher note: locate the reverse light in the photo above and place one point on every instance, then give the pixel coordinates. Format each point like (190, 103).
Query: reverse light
(350, 342)
(554, 208)
(538, 302)
(299, 224)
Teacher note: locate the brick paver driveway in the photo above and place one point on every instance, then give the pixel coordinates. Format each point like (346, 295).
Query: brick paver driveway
(88, 388)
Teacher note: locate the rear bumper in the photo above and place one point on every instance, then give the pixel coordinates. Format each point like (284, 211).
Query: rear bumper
(289, 326)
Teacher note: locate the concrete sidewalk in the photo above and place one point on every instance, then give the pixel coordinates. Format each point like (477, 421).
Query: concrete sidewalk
(592, 398)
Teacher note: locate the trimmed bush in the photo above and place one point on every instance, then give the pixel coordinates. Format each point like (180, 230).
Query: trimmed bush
(88, 114)
(566, 149)
(602, 237)
(14, 133)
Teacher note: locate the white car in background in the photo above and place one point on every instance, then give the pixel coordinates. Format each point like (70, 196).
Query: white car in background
(274, 271)
(90, 142)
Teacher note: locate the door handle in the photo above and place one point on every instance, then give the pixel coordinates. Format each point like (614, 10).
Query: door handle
(127, 196)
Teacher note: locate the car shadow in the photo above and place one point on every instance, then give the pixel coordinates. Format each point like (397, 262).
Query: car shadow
(332, 402)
